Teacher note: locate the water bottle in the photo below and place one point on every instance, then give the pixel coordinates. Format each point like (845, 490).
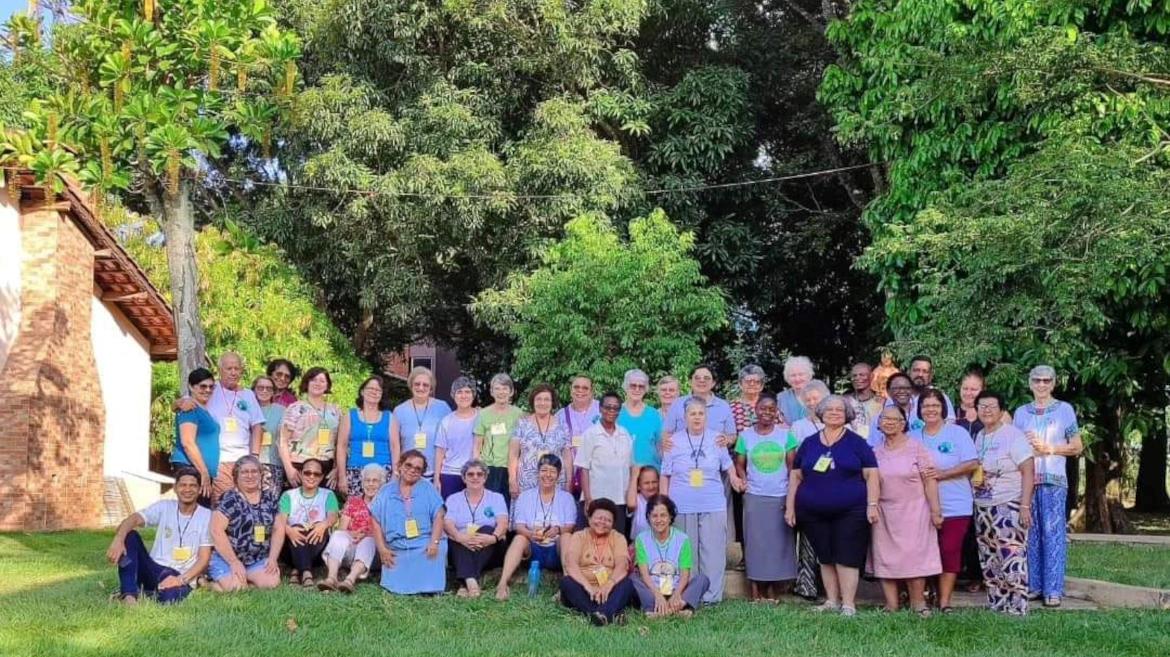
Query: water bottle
(533, 578)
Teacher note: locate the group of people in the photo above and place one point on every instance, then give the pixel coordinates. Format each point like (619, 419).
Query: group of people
(635, 505)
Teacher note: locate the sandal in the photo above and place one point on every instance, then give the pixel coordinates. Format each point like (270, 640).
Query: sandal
(307, 580)
(1052, 601)
(327, 584)
(827, 605)
(946, 610)
(345, 586)
(923, 612)
(294, 578)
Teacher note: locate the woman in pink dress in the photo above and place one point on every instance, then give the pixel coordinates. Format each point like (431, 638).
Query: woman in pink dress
(904, 547)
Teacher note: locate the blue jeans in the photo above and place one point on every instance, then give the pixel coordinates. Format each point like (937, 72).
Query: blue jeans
(547, 555)
(219, 569)
(140, 575)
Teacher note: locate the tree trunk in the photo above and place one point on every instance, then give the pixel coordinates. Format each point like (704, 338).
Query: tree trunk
(177, 217)
(1104, 512)
(1151, 478)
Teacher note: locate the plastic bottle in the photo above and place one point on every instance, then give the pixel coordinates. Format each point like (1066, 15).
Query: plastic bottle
(533, 578)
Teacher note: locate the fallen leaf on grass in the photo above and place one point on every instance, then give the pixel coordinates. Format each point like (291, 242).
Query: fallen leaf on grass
(291, 625)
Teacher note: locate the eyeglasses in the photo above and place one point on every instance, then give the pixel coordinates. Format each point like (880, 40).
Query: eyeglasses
(412, 467)
(637, 386)
(582, 388)
(310, 473)
(263, 388)
(474, 474)
(753, 381)
(987, 407)
(281, 375)
(204, 386)
(1041, 379)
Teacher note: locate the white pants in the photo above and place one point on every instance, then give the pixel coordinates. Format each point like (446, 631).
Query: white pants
(342, 548)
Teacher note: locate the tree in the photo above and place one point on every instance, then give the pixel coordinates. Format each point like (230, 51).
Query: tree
(142, 102)
(602, 305)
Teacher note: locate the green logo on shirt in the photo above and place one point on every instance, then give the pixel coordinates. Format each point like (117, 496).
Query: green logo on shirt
(767, 456)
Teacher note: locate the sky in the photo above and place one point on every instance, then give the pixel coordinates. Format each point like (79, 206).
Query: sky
(7, 7)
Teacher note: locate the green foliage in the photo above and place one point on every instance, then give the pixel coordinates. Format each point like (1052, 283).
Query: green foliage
(602, 305)
(253, 303)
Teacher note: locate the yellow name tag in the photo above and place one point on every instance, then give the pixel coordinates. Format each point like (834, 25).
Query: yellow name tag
(666, 586)
(180, 553)
(977, 476)
(259, 533)
(230, 424)
(696, 478)
(323, 436)
(266, 439)
(823, 463)
(602, 575)
(499, 429)
(472, 528)
(576, 441)
(411, 528)
(367, 449)
(420, 440)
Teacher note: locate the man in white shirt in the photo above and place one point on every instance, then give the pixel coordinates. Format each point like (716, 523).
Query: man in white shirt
(606, 460)
(181, 550)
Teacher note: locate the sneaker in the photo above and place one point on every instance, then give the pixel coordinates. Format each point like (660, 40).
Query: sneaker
(1052, 601)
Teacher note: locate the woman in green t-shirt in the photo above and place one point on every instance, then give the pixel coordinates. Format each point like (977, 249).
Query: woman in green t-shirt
(493, 431)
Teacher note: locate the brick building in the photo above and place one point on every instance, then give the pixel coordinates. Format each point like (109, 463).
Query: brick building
(80, 325)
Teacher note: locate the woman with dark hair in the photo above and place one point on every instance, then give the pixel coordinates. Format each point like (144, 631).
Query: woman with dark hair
(197, 433)
(246, 535)
(536, 435)
(900, 388)
(596, 581)
(665, 560)
(309, 428)
(283, 374)
(407, 523)
(456, 440)
(307, 513)
(364, 434)
(264, 389)
(541, 517)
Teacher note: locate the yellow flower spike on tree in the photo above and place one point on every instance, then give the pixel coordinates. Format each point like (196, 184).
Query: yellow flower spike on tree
(51, 131)
(107, 158)
(241, 79)
(213, 70)
(148, 10)
(290, 77)
(173, 166)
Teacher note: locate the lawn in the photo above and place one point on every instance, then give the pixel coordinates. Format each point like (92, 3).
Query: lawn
(53, 597)
(1139, 565)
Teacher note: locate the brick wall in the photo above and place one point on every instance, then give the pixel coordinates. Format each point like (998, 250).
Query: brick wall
(51, 412)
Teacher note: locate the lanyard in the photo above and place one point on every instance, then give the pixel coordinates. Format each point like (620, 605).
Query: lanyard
(546, 511)
(474, 509)
(183, 529)
(536, 423)
(696, 452)
(597, 553)
(662, 548)
(369, 425)
(418, 421)
(407, 504)
(231, 407)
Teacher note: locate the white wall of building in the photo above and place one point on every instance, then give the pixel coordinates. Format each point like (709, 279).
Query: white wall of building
(123, 364)
(11, 256)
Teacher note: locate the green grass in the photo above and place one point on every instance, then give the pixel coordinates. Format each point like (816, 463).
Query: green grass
(54, 587)
(1139, 565)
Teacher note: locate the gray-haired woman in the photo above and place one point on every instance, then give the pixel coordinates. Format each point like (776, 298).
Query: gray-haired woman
(246, 535)
(811, 395)
(641, 420)
(353, 545)
(476, 522)
(456, 439)
(798, 372)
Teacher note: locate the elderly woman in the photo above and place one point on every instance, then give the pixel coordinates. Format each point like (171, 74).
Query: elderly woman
(798, 372)
(283, 373)
(833, 493)
(901, 391)
(309, 428)
(197, 433)
(456, 439)
(414, 424)
(1003, 506)
(764, 455)
(810, 396)
(307, 513)
(718, 412)
(245, 532)
(597, 566)
(743, 409)
(493, 432)
(264, 389)
(536, 435)
(665, 560)
(905, 536)
(353, 544)
(642, 421)
(407, 522)
(540, 517)
(364, 435)
(668, 393)
(476, 524)
(692, 476)
(606, 460)
(953, 453)
(1052, 430)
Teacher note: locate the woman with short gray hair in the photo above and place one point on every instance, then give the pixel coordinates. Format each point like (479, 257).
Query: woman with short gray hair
(798, 372)
(1052, 430)
(641, 420)
(476, 522)
(352, 544)
(456, 439)
(811, 395)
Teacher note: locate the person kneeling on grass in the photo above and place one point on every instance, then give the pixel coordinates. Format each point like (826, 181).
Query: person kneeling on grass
(541, 516)
(307, 513)
(597, 566)
(181, 550)
(246, 535)
(407, 523)
(665, 559)
(353, 543)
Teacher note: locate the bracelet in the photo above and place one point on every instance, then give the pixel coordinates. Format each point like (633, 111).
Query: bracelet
(873, 504)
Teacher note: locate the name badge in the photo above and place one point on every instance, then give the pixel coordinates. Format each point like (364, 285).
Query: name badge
(266, 439)
(576, 442)
(977, 476)
(411, 528)
(499, 429)
(230, 424)
(323, 436)
(823, 463)
(666, 586)
(602, 575)
(367, 449)
(472, 528)
(180, 553)
(420, 440)
(696, 478)
(259, 533)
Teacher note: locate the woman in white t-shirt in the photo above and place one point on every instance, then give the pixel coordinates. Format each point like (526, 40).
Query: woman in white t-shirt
(307, 513)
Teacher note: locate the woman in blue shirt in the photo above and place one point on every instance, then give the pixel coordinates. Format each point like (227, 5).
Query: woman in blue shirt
(197, 432)
(407, 523)
(415, 422)
(363, 436)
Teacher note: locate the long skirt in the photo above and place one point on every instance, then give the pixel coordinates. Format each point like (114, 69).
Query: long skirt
(808, 570)
(1047, 541)
(769, 543)
(1003, 552)
(413, 572)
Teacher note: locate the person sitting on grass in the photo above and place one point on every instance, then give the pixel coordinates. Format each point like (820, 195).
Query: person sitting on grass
(246, 535)
(597, 566)
(353, 543)
(307, 513)
(476, 524)
(540, 517)
(407, 522)
(181, 550)
(665, 559)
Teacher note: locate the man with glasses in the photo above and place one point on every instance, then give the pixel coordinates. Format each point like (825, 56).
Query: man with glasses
(922, 376)
(605, 460)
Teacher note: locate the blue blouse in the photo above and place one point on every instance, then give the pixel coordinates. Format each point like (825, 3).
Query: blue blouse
(392, 511)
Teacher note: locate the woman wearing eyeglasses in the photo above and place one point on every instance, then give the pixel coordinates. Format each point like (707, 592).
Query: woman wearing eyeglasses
(246, 533)
(265, 390)
(307, 513)
(606, 460)
(476, 524)
(1054, 435)
(414, 424)
(283, 373)
(197, 433)
(407, 522)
